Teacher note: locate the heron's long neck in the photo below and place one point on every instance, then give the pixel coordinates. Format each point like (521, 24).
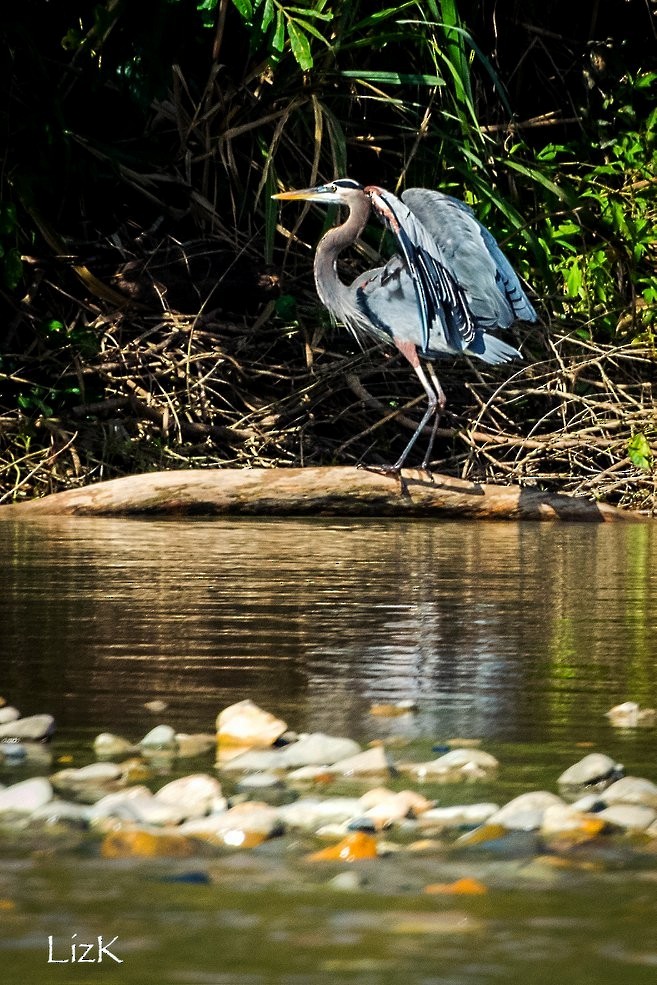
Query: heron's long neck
(335, 295)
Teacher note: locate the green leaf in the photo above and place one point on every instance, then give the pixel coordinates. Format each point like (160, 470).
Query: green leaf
(392, 78)
(278, 41)
(300, 46)
(245, 9)
(267, 14)
(639, 452)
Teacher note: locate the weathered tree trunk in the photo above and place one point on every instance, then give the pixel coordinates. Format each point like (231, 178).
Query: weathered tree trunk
(312, 492)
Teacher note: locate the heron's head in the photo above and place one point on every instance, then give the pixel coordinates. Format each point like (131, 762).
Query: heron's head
(342, 191)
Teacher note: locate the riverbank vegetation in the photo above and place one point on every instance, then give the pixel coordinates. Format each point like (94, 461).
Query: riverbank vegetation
(160, 311)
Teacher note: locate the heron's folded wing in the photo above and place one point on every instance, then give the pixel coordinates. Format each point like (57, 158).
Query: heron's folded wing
(442, 303)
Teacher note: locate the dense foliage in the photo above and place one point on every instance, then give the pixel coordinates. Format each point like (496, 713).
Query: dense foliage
(135, 130)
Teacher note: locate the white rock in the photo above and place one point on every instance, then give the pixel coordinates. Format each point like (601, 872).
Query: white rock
(318, 749)
(26, 796)
(632, 817)
(458, 764)
(560, 818)
(9, 714)
(458, 816)
(56, 811)
(374, 761)
(107, 746)
(232, 827)
(196, 744)
(135, 804)
(192, 796)
(90, 782)
(526, 812)
(253, 761)
(631, 790)
(630, 715)
(595, 770)
(32, 729)
(309, 813)
(159, 739)
(244, 723)
(311, 774)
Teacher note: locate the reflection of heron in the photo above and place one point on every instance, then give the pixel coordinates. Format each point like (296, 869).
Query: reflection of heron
(448, 287)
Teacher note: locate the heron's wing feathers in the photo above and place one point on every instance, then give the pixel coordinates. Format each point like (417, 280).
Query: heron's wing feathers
(473, 257)
(441, 302)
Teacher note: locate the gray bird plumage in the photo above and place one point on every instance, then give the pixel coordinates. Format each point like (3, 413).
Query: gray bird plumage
(449, 286)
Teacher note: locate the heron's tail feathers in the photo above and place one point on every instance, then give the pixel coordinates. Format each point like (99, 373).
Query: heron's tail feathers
(492, 350)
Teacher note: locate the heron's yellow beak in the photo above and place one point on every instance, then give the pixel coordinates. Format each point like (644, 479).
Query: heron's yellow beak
(305, 194)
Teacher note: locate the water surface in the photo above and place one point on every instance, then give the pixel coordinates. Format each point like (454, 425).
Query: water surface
(520, 634)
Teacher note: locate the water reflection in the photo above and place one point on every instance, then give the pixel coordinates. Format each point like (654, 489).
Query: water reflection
(509, 630)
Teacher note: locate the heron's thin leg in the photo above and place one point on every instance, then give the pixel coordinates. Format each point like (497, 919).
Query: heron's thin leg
(442, 400)
(409, 350)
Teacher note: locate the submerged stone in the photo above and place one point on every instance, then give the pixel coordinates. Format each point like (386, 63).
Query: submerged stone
(630, 715)
(9, 714)
(140, 843)
(243, 826)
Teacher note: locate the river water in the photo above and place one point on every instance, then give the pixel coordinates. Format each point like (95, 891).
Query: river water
(521, 635)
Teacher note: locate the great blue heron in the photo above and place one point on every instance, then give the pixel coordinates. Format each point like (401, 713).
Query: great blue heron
(442, 294)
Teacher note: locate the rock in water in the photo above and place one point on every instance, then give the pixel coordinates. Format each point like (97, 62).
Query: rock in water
(26, 796)
(595, 771)
(245, 724)
(34, 728)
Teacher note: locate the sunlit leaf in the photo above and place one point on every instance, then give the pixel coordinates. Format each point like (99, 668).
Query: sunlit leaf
(639, 452)
(300, 46)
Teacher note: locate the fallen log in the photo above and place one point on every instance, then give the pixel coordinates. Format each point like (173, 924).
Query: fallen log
(327, 491)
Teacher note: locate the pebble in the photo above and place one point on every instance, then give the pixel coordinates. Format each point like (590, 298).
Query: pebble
(457, 816)
(89, 783)
(565, 818)
(632, 817)
(162, 738)
(310, 813)
(157, 706)
(309, 775)
(318, 749)
(631, 790)
(244, 723)
(347, 881)
(26, 796)
(252, 761)
(193, 796)
(630, 715)
(34, 728)
(396, 807)
(356, 846)
(458, 764)
(595, 770)
(374, 761)
(526, 812)
(136, 804)
(110, 746)
(197, 744)
(140, 843)
(243, 826)
(8, 714)
(60, 811)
